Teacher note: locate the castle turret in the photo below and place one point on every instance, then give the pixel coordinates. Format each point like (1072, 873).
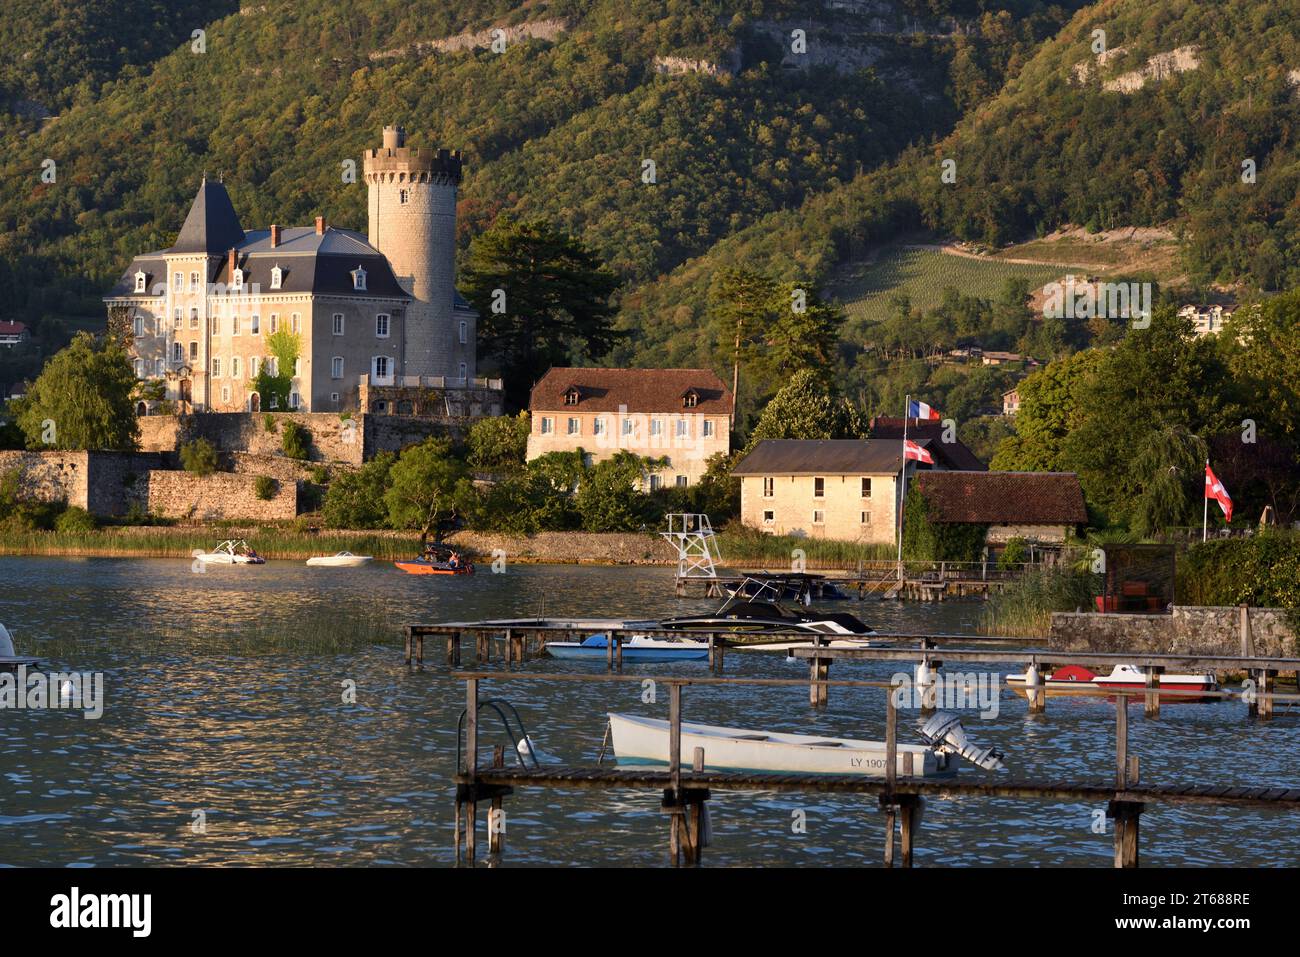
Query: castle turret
(412, 221)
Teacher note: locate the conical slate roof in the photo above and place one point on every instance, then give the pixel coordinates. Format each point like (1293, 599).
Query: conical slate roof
(212, 226)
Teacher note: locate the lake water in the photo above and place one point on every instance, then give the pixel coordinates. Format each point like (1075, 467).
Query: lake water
(224, 707)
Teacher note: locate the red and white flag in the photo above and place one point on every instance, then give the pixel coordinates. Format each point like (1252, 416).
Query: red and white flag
(1214, 489)
(913, 451)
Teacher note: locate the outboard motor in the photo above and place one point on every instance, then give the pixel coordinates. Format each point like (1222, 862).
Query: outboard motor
(944, 731)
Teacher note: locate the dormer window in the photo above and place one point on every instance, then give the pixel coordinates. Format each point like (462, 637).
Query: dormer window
(277, 274)
(239, 279)
(572, 396)
(359, 279)
(140, 280)
(690, 399)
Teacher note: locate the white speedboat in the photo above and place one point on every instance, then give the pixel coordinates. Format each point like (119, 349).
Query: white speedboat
(231, 552)
(634, 647)
(644, 741)
(340, 560)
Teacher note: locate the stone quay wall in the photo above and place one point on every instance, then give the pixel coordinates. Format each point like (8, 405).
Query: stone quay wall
(1190, 630)
(105, 483)
(218, 497)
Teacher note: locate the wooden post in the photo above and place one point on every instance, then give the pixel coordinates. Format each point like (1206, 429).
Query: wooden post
(891, 744)
(1152, 709)
(907, 824)
(408, 645)
(1263, 694)
(496, 829)
(618, 654)
(675, 737)
(609, 650)
(713, 643)
(720, 653)
(453, 649)
(1121, 742)
(1243, 628)
(471, 766)
(1037, 696)
(419, 649)
(1125, 815)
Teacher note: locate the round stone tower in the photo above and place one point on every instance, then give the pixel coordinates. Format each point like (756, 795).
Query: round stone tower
(412, 221)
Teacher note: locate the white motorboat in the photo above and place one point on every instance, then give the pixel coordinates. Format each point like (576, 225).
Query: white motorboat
(231, 552)
(634, 647)
(644, 741)
(340, 560)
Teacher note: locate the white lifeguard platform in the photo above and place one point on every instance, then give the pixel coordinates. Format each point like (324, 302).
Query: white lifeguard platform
(691, 534)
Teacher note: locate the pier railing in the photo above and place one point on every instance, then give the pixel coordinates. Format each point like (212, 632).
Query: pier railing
(900, 797)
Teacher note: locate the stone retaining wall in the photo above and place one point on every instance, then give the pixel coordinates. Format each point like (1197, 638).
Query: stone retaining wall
(105, 483)
(569, 547)
(217, 497)
(1190, 629)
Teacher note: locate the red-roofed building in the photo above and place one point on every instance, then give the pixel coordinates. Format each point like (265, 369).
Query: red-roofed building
(13, 333)
(1034, 506)
(684, 414)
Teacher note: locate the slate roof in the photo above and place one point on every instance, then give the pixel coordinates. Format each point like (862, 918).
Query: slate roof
(640, 390)
(212, 225)
(823, 457)
(953, 455)
(1013, 498)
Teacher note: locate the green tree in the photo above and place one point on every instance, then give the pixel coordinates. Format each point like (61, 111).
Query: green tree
(356, 498)
(82, 399)
(608, 498)
(199, 457)
(274, 381)
(543, 300)
(499, 443)
(423, 485)
(1169, 469)
(1049, 411)
(809, 407)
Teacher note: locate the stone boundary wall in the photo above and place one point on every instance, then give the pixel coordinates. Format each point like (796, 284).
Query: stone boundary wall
(1190, 630)
(105, 483)
(221, 496)
(277, 466)
(333, 439)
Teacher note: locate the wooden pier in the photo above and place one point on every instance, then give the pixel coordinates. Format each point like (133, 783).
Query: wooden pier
(912, 581)
(687, 789)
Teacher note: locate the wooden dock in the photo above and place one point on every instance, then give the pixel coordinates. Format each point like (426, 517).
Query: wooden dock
(686, 789)
(910, 581)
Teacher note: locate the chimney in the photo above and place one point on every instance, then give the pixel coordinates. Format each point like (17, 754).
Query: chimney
(231, 263)
(275, 235)
(320, 225)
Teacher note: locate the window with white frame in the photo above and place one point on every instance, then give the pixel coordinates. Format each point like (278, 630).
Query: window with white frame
(464, 332)
(160, 367)
(225, 393)
(769, 486)
(216, 325)
(575, 425)
(138, 327)
(194, 317)
(866, 487)
(216, 367)
(178, 318)
(655, 483)
(819, 487)
(656, 428)
(274, 325)
(277, 274)
(295, 322)
(682, 481)
(336, 367)
(255, 324)
(234, 323)
(139, 368)
(769, 517)
(234, 367)
(194, 282)
(178, 353)
(139, 282)
(359, 279)
(628, 427)
(178, 282)
(294, 400)
(598, 426)
(708, 428)
(382, 369)
(238, 280)
(194, 351)
(464, 371)
(338, 323)
(681, 428)
(548, 425)
(819, 517)
(381, 326)
(254, 367)
(866, 518)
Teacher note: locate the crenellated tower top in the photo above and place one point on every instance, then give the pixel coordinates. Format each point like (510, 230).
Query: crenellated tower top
(395, 162)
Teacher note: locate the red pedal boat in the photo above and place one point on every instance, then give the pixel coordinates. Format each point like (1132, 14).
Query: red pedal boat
(1075, 679)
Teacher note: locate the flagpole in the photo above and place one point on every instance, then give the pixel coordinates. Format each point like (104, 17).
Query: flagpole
(902, 493)
(1205, 511)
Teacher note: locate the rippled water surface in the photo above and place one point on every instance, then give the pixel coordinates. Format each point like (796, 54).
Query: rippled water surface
(224, 705)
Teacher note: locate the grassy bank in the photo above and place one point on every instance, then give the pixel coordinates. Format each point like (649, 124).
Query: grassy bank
(163, 542)
(752, 547)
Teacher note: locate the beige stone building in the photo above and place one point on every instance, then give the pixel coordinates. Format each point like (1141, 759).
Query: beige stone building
(843, 489)
(681, 414)
(381, 306)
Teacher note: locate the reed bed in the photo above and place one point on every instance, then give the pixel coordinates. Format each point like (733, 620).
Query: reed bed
(169, 542)
(1024, 607)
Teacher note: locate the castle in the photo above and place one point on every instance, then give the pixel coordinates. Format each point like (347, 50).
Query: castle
(375, 310)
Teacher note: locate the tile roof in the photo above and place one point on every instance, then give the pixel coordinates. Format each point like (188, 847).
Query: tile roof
(640, 390)
(1013, 498)
(823, 457)
(212, 225)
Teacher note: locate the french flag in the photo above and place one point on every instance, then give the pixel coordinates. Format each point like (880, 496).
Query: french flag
(913, 451)
(919, 410)
(1214, 489)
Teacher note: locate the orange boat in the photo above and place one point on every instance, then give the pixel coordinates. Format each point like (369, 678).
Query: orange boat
(418, 566)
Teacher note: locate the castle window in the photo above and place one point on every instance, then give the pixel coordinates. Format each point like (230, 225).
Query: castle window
(139, 368)
(627, 427)
(338, 323)
(275, 322)
(769, 486)
(160, 367)
(225, 393)
(403, 196)
(598, 426)
(138, 324)
(216, 325)
(194, 282)
(571, 397)
(547, 426)
(276, 275)
(178, 353)
(381, 367)
(681, 428)
(381, 326)
(194, 350)
(294, 322)
(239, 279)
(272, 365)
(294, 400)
(336, 367)
(234, 324)
(194, 317)
(819, 487)
(334, 397)
(254, 367)
(866, 488)
(216, 367)
(819, 517)
(656, 428)
(178, 282)
(234, 367)
(359, 279)
(464, 332)
(255, 324)
(769, 517)
(179, 320)
(464, 373)
(139, 282)
(655, 483)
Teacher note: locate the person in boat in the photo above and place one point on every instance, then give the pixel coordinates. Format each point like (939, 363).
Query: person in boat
(250, 551)
(454, 560)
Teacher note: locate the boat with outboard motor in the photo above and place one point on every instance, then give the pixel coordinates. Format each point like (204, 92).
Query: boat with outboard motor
(644, 741)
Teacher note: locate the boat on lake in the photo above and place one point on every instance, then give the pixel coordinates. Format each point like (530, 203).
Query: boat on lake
(747, 616)
(634, 648)
(640, 741)
(231, 552)
(340, 560)
(437, 560)
(1077, 680)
